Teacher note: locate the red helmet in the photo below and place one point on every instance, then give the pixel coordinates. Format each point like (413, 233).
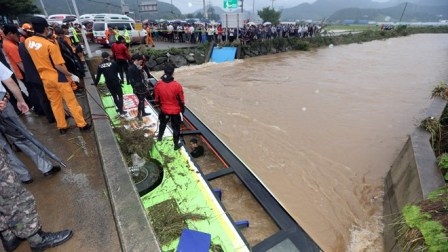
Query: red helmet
(27, 27)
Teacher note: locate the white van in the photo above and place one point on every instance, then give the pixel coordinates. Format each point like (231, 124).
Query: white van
(86, 18)
(102, 21)
(58, 18)
(111, 17)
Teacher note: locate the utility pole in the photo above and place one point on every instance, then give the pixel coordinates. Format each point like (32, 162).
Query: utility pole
(70, 9)
(242, 3)
(43, 8)
(403, 11)
(272, 4)
(253, 10)
(83, 32)
(205, 9)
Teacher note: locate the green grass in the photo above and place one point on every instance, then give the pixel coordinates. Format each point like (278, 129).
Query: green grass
(353, 28)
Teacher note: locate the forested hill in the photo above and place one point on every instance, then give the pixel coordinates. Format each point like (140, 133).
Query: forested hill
(417, 10)
(412, 13)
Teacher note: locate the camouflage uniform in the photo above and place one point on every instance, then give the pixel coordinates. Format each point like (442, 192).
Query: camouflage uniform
(18, 211)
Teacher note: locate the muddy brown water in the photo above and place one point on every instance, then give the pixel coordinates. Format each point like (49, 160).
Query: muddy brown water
(321, 129)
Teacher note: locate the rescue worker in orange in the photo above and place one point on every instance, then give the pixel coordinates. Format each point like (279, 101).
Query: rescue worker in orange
(27, 31)
(66, 36)
(11, 50)
(110, 35)
(149, 39)
(55, 76)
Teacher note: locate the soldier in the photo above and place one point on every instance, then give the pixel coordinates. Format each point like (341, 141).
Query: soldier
(18, 216)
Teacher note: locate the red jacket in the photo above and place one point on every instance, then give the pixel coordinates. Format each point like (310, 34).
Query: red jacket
(120, 51)
(170, 97)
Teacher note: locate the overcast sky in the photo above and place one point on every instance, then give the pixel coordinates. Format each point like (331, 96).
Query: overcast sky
(189, 6)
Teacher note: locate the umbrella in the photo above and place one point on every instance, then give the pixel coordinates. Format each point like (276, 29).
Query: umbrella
(190, 21)
(14, 123)
(252, 23)
(68, 19)
(267, 23)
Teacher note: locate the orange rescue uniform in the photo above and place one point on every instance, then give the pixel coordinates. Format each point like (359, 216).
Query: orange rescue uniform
(11, 50)
(56, 84)
(149, 39)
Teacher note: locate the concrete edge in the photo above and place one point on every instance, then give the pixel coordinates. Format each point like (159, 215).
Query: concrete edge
(417, 158)
(132, 222)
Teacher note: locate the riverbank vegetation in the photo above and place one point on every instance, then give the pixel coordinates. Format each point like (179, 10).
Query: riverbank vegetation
(348, 36)
(423, 226)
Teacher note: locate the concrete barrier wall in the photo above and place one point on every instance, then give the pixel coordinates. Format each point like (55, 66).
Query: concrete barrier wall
(413, 175)
(132, 222)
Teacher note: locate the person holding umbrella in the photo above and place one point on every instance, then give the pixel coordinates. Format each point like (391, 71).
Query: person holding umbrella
(14, 131)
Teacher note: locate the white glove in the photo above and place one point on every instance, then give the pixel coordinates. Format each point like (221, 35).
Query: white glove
(75, 78)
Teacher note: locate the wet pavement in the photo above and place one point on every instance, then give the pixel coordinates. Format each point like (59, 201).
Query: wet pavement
(94, 195)
(76, 197)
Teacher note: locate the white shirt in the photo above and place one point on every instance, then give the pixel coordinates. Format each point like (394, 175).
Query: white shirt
(210, 31)
(5, 74)
(170, 28)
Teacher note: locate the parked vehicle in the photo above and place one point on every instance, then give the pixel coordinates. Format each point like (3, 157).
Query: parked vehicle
(86, 18)
(59, 18)
(121, 22)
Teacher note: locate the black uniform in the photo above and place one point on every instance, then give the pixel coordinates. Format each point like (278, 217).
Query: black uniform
(139, 85)
(110, 71)
(35, 86)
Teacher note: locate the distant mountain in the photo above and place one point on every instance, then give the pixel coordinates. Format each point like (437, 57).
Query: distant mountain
(165, 10)
(322, 9)
(420, 2)
(417, 10)
(412, 13)
(335, 10)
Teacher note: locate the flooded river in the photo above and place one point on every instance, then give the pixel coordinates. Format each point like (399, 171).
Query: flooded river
(322, 128)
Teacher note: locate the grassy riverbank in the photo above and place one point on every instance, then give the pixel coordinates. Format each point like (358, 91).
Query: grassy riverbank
(423, 226)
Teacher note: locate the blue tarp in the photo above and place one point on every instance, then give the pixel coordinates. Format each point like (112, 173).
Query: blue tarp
(194, 241)
(223, 54)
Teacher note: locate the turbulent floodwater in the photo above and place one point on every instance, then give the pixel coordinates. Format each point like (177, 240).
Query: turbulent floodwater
(321, 129)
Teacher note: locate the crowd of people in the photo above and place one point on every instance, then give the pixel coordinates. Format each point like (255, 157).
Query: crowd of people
(46, 61)
(203, 32)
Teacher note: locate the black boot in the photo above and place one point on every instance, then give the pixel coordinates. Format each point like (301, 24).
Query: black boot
(50, 240)
(12, 244)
